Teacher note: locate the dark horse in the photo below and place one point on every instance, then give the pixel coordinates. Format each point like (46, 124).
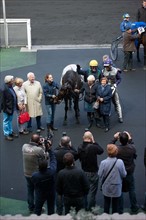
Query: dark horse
(70, 81)
(142, 41)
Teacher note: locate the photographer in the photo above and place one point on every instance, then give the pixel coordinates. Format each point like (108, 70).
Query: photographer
(32, 153)
(88, 151)
(127, 152)
(44, 182)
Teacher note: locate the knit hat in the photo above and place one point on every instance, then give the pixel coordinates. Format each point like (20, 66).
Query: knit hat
(112, 150)
(8, 78)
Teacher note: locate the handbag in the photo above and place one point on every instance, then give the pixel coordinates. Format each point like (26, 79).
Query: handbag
(125, 185)
(96, 105)
(107, 175)
(23, 117)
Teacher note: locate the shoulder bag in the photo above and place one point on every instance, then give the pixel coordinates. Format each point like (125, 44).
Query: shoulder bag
(107, 175)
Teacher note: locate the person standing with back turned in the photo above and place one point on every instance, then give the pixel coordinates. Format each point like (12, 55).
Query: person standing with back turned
(87, 153)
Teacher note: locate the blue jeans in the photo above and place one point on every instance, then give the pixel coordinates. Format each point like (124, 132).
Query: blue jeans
(51, 113)
(30, 193)
(90, 200)
(7, 124)
(132, 195)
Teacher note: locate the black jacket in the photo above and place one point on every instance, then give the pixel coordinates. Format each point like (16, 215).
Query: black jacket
(8, 101)
(72, 182)
(141, 14)
(89, 93)
(128, 154)
(87, 153)
(60, 152)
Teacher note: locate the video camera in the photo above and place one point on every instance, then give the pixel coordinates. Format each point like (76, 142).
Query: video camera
(46, 142)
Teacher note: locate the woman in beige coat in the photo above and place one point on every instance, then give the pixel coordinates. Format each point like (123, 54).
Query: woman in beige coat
(34, 95)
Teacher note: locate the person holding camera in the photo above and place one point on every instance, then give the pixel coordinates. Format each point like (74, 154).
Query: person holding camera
(32, 153)
(64, 147)
(127, 152)
(44, 182)
(87, 152)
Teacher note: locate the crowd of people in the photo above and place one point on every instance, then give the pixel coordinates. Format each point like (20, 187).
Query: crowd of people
(99, 90)
(51, 173)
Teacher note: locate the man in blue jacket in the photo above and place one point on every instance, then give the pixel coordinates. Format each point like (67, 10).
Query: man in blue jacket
(44, 183)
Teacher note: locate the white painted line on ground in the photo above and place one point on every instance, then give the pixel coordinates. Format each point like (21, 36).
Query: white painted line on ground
(65, 47)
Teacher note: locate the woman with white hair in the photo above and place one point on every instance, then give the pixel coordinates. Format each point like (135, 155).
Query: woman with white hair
(21, 101)
(89, 89)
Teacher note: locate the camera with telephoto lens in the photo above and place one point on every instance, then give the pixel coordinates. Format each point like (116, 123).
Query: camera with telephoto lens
(46, 142)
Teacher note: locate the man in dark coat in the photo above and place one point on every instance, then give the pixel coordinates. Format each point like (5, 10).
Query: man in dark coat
(64, 147)
(73, 184)
(9, 106)
(127, 152)
(87, 152)
(141, 12)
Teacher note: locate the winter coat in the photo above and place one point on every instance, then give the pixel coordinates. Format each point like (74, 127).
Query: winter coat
(50, 90)
(112, 186)
(141, 14)
(9, 103)
(106, 94)
(90, 92)
(129, 41)
(34, 94)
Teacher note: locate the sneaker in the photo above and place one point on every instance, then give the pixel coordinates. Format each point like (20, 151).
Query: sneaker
(125, 70)
(8, 138)
(132, 69)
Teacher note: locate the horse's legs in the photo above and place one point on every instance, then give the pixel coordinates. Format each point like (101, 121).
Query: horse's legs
(66, 109)
(76, 109)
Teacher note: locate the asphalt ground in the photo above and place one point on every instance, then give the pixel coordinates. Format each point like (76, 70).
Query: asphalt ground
(132, 95)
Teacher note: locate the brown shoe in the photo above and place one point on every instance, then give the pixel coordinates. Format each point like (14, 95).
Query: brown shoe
(8, 138)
